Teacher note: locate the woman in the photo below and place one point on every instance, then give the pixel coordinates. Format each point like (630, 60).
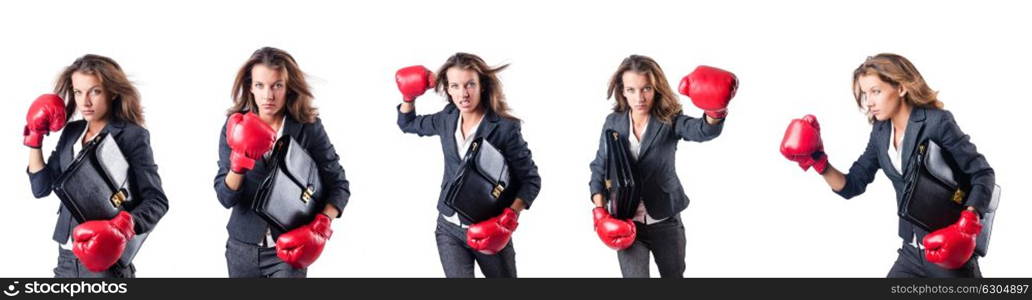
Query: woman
(99, 91)
(476, 108)
(649, 116)
(904, 112)
(271, 99)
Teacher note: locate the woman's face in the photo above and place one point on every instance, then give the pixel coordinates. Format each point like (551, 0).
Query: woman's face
(269, 88)
(878, 98)
(91, 99)
(639, 92)
(464, 88)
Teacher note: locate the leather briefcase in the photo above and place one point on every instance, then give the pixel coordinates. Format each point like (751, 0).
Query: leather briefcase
(933, 197)
(621, 177)
(96, 187)
(478, 191)
(291, 194)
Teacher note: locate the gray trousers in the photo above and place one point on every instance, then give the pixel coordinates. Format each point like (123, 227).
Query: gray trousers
(457, 257)
(911, 263)
(665, 240)
(69, 266)
(254, 261)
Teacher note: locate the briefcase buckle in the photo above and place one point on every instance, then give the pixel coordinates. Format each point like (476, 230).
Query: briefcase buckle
(306, 195)
(958, 196)
(118, 198)
(497, 192)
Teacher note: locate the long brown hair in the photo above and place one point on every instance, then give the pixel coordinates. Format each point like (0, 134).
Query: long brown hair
(124, 100)
(900, 73)
(299, 95)
(664, 107)
(491, 87)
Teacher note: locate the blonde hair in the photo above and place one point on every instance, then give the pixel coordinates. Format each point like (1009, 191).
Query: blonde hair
(492, 86)
(900, 73)
(124, 98)
(299, 94)
(666, 105)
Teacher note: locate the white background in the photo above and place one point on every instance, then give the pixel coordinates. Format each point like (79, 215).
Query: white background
(752, 213)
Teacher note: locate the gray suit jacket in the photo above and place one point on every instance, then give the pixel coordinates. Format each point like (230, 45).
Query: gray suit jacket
(660, 188)
(144, 183)
(503, 133)
(924, 124)
(247, 226)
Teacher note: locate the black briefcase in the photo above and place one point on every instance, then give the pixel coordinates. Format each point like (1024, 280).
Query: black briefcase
(96, 187)
(621, 178)
(291, 194)
(933, 197)
(478, 191)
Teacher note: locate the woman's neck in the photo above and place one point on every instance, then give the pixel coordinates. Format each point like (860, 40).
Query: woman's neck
(902, 117)
(473, 116)
(96, 126)
(639, 116)
(274, 121)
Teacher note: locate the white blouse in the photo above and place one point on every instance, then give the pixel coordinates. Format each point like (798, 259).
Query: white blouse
(895, 155)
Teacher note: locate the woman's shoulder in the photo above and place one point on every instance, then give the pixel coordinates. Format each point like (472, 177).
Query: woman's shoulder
(937, 114)
(315, 125)
(614, 116)
(132, 130)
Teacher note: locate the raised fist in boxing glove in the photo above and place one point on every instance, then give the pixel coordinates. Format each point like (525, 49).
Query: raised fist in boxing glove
(248, 138)
(710, 89)
(301, 246)
(802, 144)
(46, 114)
(490, 236)
(99, 244)
(952, 246)
(413, 81)
(615, 233)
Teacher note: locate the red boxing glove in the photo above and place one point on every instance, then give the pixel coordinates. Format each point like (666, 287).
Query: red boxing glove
(710, 89)
(46, 114)
(491, 235)
(413, 81)
(248, 138)
(952, 246)
(302, 246)
(615, 233)
(99, 244)
(802, 144)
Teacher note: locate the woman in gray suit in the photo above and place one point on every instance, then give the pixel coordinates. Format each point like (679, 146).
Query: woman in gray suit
(648, 116)
(904, 112)
(476, 108)
(96, 88)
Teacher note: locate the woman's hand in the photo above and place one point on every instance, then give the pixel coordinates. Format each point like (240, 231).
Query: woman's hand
(518, 205)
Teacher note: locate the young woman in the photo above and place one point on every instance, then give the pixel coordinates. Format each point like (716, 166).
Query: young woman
(100, 92)
(271, 99)
(649, 116)
(904, 112)
(476, 108)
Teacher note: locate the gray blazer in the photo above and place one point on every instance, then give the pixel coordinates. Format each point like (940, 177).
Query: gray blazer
(144, 183)
(247, 226)
(661, 189)
(924, 124)
(503, 133)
